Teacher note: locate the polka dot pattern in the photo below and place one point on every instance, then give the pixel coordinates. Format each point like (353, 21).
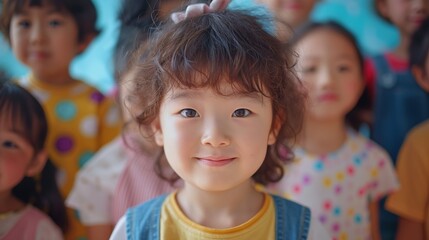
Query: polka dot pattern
(84, 158)
(89, 126)
(338, 186)
(77, 116)
(113, 116)
(65, 110)
(64, 144)
(97, 97)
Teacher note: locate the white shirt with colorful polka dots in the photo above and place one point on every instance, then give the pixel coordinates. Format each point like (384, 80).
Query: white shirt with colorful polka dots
(338, 187)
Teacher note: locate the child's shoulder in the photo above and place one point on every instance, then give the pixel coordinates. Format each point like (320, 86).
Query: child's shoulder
(386, 61)
(420, 132)
(366, 145)
(33, 220)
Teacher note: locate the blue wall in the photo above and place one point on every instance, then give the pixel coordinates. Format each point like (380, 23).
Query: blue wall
(95, 65)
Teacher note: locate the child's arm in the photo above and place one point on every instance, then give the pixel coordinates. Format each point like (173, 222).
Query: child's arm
(373, 211)
(409, 229)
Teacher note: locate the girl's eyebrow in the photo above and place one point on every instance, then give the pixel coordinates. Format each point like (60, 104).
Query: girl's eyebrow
(252, 96)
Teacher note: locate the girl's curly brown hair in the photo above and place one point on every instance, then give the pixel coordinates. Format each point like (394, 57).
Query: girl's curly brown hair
(222, 46)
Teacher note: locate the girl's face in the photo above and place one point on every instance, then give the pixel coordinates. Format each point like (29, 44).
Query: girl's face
(329, 67)
(293, 12)
(45, 40)
(406, 15)
(16, 155)
(214, 142)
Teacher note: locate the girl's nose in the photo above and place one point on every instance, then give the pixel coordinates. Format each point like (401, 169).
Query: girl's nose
(37, 34)
(216, 134)
(326, 78)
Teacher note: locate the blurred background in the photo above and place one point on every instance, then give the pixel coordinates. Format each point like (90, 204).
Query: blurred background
(95, 64)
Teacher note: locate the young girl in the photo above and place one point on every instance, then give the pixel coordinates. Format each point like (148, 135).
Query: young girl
(30, 203)
(46, 35)
(338, 173)
(218, 94)
(290, 12)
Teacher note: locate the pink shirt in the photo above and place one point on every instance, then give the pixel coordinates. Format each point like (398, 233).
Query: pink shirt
(29, 224)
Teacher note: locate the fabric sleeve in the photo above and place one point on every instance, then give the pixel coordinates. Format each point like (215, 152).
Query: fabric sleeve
(91, 201)
(382, 174)
(411, 199)
(120, 231)
(92, 192)
(47, 230)
(110, 121)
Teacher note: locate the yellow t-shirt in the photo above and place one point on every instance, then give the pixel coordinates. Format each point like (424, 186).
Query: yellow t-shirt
(175, 225)
(412, 199)
(80, 121)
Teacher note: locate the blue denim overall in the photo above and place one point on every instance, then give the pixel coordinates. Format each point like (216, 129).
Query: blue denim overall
(292, 220)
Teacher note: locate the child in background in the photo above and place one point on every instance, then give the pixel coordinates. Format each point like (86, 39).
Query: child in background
(398, 102)
(46, 35)
(290, 12)
(338, 173)
(220, 101)
(31, 206)
(411, 201)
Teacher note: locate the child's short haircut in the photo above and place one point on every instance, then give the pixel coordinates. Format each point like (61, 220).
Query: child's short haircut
(213, 48)
(419, 45)
(83, 12)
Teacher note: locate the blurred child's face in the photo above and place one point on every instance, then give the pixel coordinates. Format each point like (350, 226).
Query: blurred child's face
(213, 142)
(293, 12)
(406, 15)
(167, 6)
(422, 75)
(329, 67)
(45, 40)
(15, 156)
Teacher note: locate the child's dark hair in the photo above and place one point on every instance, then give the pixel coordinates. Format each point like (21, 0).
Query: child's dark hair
(138, 20)
(353, 118)
(27, 115)
(419, 46)
(82, 11)
(232, 47)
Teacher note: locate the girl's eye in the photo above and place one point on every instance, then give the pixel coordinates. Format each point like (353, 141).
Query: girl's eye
(24, 24)
(310, 69)
(343, 68)
(242, 112)
(54, 23)
(9, 144)
(189, 113)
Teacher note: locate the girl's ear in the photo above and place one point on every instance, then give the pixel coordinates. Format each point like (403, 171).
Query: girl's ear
(37, 164)
(82, 45)
(421, 77)
(272, 137)
(157, 130)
